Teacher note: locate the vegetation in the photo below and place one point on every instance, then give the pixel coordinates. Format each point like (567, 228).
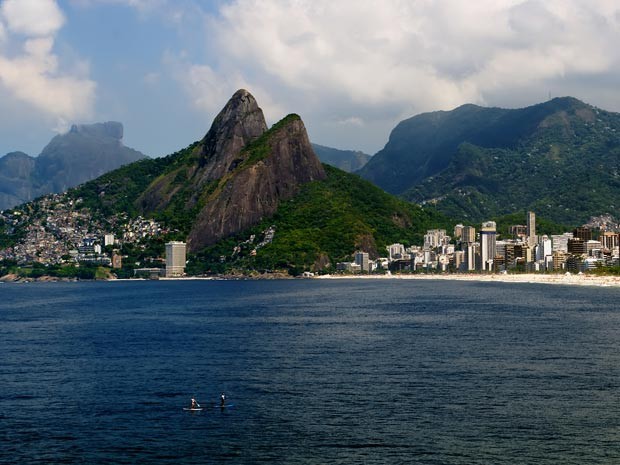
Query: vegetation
(38, 270)
(117, 191)
(325, 223)
(560, 159)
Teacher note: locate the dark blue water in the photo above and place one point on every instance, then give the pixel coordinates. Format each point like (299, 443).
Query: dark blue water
(319, 372)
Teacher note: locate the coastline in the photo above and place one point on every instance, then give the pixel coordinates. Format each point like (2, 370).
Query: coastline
(530, 278)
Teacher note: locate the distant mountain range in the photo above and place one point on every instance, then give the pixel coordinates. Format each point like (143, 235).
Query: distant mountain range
(560, 158)
(84, 153)
(346, 160)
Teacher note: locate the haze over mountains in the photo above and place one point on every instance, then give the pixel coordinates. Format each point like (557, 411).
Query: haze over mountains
(560, 158)
(85, 152)
(346, 160)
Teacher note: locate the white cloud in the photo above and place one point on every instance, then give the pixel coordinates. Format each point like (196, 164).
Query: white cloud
(392, 58)
(351, 121)
(32, 17)
(437, 54)
(30, 72)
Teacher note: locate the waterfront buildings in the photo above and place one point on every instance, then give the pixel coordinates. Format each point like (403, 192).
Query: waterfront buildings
(488, 235)
(175, 259)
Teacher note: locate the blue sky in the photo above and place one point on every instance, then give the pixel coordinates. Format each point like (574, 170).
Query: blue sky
(352, 68)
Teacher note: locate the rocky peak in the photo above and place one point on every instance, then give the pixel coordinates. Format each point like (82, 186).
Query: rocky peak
(16, 165)
(240, 122)
(269, 171)
(109, 129)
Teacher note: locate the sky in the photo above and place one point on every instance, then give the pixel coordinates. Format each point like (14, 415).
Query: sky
(352, 69)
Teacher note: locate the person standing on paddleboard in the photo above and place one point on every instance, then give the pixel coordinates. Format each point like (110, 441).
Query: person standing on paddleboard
(222, 400)
(194, 404)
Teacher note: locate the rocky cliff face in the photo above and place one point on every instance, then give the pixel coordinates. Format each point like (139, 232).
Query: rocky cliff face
(237, 175)
(240, 122)
(269, 172)
(15, 184)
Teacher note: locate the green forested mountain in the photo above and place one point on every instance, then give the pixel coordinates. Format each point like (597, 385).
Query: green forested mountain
(560, 158)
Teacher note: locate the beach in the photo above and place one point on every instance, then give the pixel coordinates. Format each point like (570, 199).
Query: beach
(563, 279)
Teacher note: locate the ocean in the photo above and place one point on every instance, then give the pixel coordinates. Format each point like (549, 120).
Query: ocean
(318, 372)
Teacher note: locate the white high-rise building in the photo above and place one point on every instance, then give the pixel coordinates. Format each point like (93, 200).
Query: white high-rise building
(469, 259)
(175, 259)
(560, 242)
(488, 234)
(544, 248)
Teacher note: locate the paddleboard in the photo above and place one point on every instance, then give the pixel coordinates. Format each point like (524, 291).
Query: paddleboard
(192, 409)
(224, 406)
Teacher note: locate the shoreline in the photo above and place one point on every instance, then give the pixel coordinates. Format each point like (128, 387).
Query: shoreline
(527, 278)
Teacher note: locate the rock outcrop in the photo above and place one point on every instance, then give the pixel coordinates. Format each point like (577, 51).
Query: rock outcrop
(15, 179)
(269, 171)
(239, 123)
(237, 175)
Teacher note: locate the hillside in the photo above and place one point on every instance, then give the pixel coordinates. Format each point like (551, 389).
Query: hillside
(325, 223)
(346, 160)
(236, 175)
(241, 180)
(84, 153)
(559, 158)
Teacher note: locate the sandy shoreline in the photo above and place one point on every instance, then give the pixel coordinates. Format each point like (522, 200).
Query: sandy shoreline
(563, 279)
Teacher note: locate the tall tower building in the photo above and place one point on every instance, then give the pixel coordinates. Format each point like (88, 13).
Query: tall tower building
(532, 239)
(361, 259)
(175, 259)
(468, 235)
(488, 236)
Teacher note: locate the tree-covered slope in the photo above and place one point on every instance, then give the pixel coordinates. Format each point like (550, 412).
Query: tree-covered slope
(326, 222)
(567, 171)
(559, 158)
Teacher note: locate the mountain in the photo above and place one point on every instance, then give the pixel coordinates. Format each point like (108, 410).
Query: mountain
(84, 153)
(242, 179)
(346, 160)
(558, 158)
(15, 179)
